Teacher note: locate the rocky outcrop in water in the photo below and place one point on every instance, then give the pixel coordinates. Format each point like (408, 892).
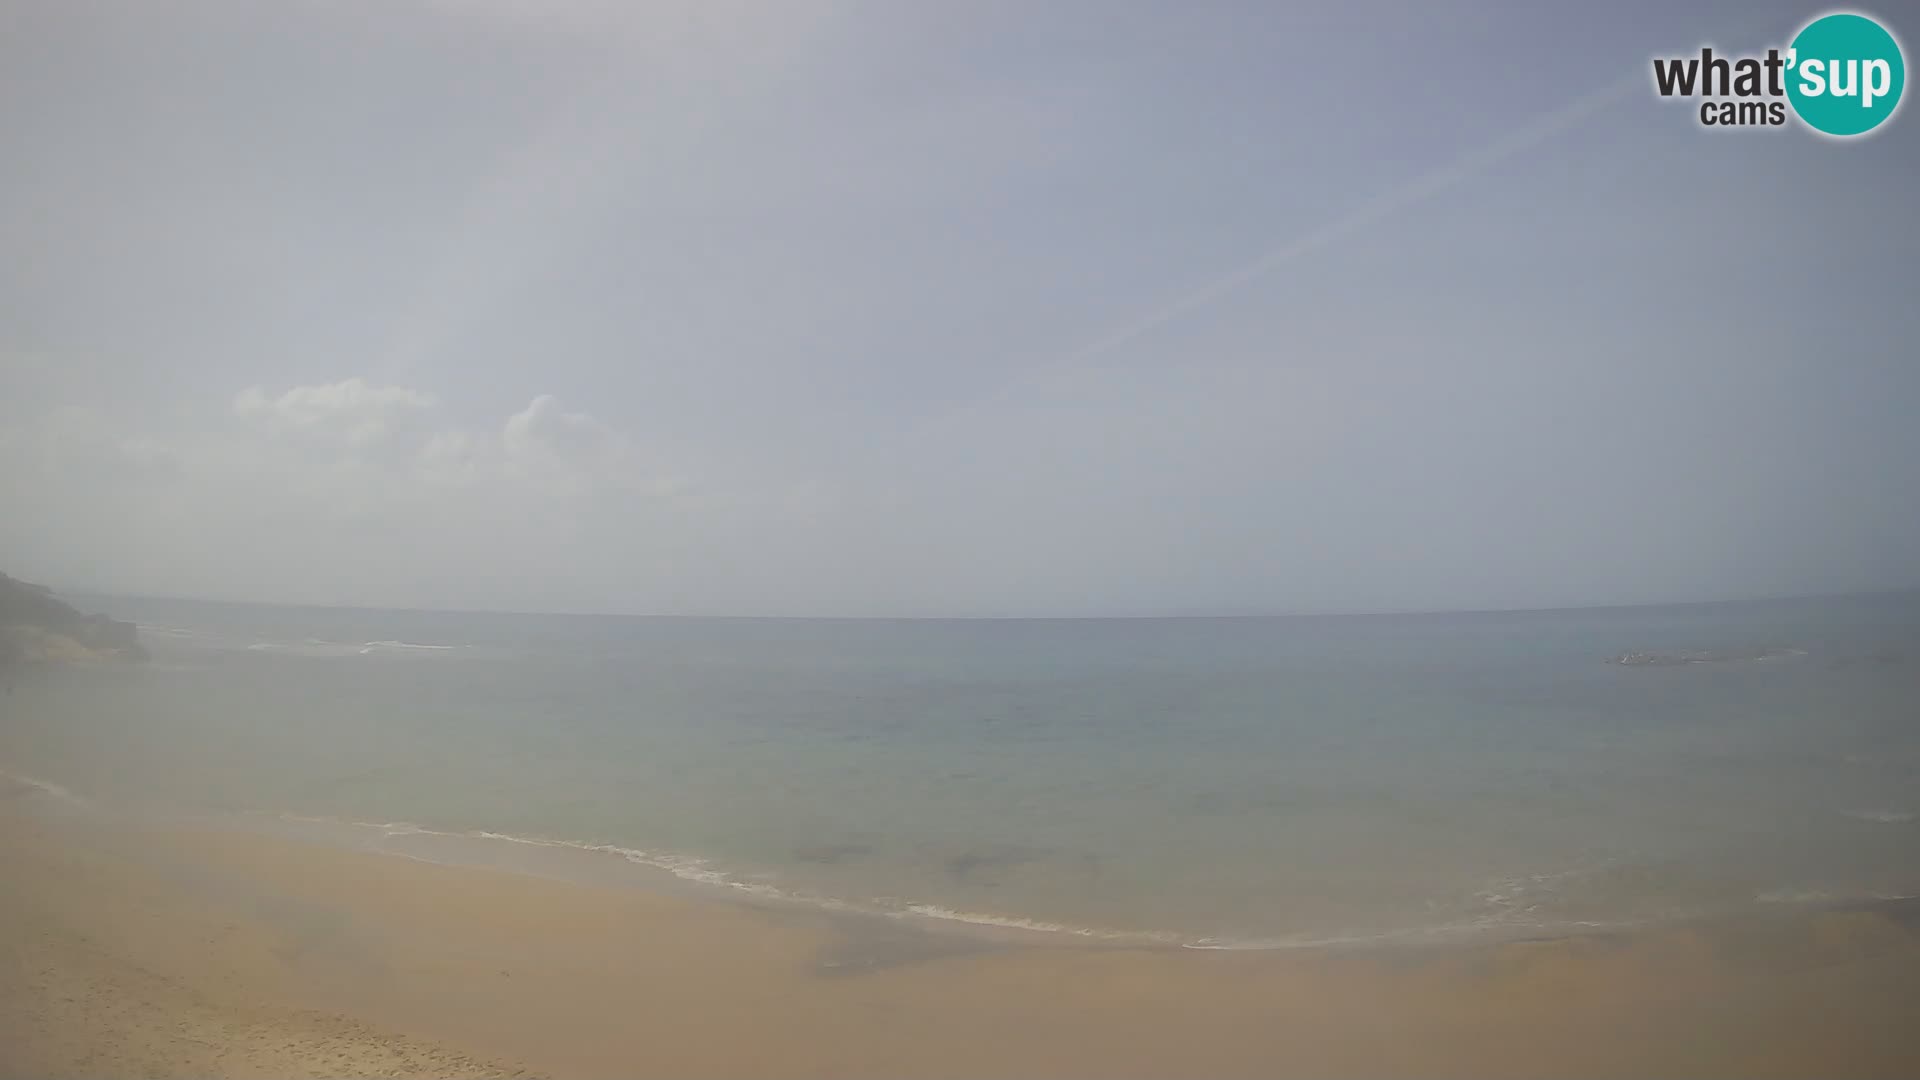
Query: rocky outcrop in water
(35, 625)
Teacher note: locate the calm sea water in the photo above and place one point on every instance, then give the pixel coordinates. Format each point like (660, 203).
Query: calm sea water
(1207, 781)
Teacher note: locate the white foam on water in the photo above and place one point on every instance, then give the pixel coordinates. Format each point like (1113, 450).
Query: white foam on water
(46, 787)
(1511, 904)
(1882, 817)
(1476, 929)
(701, 871)
(1507, 918)
(314, 646)
(1037, 926)
(1796, 897)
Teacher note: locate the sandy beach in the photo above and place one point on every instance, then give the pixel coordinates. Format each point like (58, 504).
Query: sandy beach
(137, 950)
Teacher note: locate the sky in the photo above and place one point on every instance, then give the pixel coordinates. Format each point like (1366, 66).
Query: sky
(1079, 308)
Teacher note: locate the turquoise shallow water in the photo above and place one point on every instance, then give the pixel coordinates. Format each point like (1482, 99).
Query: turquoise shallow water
(1206, 781)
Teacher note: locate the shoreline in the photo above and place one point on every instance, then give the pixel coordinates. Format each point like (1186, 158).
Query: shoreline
(612, 865)
(178, 942)
(606, 864)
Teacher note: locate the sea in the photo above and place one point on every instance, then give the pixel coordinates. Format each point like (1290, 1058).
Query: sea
(1201, 782)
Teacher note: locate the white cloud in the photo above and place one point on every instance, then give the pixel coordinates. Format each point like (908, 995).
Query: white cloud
(544, 429)
(361, 435)
(572, 453)
(352, 412)
(400, 497)
(453, 458)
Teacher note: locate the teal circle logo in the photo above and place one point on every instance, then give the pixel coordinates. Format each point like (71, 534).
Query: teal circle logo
(1845, 74)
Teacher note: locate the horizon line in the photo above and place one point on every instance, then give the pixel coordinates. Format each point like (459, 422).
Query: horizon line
(1109, 617)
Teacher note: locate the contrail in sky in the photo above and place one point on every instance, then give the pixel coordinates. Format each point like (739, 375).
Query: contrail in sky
(1414, 191)
(1395, 200)
(1411, 193)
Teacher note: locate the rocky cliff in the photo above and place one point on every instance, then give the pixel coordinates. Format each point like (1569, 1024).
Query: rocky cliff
(36, 625)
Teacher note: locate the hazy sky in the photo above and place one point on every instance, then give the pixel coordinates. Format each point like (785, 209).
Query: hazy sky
(954, 308)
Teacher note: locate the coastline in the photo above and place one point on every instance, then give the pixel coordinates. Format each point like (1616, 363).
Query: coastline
(164, 951)
(612, 865)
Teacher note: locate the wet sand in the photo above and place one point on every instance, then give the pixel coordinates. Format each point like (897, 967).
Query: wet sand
(143, 951)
